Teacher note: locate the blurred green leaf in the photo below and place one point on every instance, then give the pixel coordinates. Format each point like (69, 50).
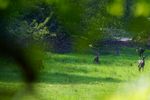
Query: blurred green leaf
(141, 9)
(116, 8)
(4, 4)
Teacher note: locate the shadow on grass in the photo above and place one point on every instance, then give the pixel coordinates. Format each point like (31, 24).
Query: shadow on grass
(103, 60)
(72, 60)
(62, 78)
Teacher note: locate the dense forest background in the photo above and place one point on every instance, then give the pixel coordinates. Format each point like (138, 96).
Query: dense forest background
(63, 25)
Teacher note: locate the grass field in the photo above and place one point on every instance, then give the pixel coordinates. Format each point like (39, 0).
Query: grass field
(75, 77)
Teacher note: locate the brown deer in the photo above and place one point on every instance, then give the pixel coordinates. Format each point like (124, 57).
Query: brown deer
(141, 63)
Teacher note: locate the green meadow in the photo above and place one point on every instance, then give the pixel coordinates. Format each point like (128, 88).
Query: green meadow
(75, 77)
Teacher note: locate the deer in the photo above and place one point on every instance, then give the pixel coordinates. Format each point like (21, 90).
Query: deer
(141, 63)
(96, 59)
(140, 51)
(97, 56)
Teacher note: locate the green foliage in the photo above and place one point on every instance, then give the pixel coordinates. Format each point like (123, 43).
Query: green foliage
(87, 18)
(22, 30)
(39, 30)
(139, 27)
(4, 4)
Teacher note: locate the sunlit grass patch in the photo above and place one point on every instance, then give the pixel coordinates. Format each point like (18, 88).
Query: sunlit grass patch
(136, 90)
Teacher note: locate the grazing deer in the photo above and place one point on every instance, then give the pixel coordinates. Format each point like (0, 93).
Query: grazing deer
(140, 51)
(141, 63)
(96, 59)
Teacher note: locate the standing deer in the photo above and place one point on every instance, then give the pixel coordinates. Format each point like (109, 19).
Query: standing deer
(141, 63)
(96, 59)
(97, 56)
(140, 51)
